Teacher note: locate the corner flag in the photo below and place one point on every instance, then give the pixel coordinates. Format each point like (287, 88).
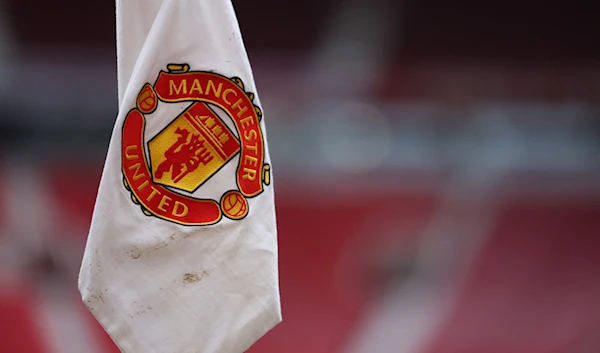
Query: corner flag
(182, 251)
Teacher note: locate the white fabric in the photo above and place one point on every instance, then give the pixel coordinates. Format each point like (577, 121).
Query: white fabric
(154, 285)
(134, 21)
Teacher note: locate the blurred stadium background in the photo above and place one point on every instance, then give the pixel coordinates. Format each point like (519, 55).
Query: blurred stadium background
(437, 166)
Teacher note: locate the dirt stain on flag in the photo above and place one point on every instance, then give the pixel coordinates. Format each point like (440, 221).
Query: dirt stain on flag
(136, 252)
(194, 277)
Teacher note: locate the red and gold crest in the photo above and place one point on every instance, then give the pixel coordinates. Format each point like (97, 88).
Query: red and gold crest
(193, 147)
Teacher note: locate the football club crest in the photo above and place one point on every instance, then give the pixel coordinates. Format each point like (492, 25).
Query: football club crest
(193, 147)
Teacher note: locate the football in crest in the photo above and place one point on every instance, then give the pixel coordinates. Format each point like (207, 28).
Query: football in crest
(146, 100)
(234, 205)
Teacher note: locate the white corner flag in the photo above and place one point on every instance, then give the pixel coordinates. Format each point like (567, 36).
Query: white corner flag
(182, 251)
